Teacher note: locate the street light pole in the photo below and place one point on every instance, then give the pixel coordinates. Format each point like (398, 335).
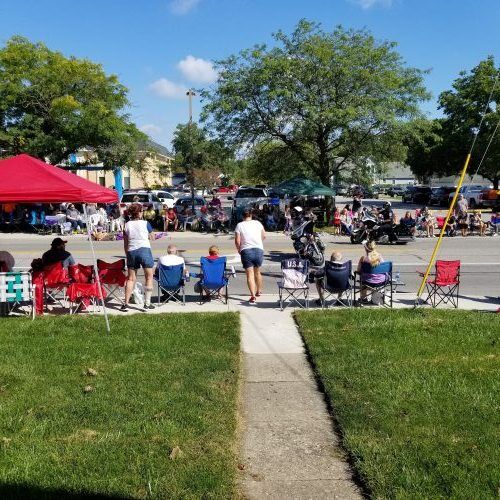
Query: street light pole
(190, 93)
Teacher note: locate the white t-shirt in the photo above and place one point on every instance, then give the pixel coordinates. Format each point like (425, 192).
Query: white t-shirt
(138, 234)
(171, 260)
(250, 232)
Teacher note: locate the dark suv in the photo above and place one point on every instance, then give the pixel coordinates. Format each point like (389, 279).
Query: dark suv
(408, 194)
(439, 197)
(422, 195)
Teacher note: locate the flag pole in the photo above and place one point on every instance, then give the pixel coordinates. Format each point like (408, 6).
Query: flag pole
(96, 270)
(443, 230)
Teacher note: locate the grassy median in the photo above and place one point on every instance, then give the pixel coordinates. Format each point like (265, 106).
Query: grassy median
(416, 396)
(148, 411)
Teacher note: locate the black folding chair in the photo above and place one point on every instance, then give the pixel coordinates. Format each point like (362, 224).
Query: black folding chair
(337, 280)
(294, 284)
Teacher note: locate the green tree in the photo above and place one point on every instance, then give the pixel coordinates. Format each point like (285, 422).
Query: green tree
(335, 100)
(194, 151)
(442, 149)
(51, 105)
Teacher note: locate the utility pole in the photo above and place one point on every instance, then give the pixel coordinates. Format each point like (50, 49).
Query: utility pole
(190, 93)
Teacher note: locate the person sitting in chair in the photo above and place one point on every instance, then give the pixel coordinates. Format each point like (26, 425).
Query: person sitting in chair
(58, 253)
(171, 219)
(373, 258)
(335, 257)
(172, 258)
(74, 217)
(409, 222)
(213, 254)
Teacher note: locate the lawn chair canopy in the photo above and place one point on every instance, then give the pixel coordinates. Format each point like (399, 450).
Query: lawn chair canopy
(25, 179)
(302, 186)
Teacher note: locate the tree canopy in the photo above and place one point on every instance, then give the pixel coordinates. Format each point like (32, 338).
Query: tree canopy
(52, 105)
(203, 159)
(442, 150)
(331, 99)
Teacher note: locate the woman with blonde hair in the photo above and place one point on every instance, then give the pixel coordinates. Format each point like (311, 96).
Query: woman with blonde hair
(366, 264)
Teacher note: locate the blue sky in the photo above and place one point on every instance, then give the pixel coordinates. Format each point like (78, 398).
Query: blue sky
(158, 48)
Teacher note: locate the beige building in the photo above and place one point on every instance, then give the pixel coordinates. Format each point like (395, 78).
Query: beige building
(156, 169)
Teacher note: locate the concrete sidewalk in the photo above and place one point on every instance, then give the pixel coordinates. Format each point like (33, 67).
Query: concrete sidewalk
(289, 448)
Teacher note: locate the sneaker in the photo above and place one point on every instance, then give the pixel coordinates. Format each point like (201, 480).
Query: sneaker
(124, 308)
(148, 307)
(253, 300)
(258, 294)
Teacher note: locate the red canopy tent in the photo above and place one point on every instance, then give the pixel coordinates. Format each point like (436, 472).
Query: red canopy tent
(24, 179)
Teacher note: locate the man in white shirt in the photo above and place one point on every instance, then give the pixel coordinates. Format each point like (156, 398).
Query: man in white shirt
(171, 259)
(248, 238)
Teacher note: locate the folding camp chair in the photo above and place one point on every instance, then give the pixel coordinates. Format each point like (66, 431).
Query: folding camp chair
(379, 293)
(112, 277)
(443, 286)
(214, 278)
(337, 280)
(170, 280)
(80, 273)
(294, 283)
(55, 284)
(16, 290)
(83, 296)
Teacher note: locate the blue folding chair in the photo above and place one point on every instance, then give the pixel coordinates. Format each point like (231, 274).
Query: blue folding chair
(170, 280)
(384, 289)
(337, 280)
(214, 278)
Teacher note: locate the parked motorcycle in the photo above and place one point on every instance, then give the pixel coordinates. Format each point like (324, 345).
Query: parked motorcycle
(368, 227)
(307, 243)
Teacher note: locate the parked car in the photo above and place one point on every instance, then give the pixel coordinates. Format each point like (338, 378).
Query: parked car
(490, 198)
(440, 196)
(186, 201)
(471, 193)
(249, 195)
(396, 190)
(364, 192)
(341, 190)
(144, 197)
(407, 196)
(167, 199)
(225, 189)
(422, 195)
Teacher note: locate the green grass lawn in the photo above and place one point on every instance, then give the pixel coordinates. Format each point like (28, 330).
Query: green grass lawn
(163, 381)
(416, 395)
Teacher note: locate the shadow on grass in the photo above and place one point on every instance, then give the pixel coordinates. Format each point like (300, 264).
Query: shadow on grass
(20, 491)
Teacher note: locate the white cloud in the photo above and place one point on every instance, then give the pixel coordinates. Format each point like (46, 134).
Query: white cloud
(197, 70)
(151, 129)
(368, 4)
(182, 7)
(169, 89)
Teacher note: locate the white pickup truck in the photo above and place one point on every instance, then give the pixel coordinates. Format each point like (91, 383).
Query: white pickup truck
(471, 194)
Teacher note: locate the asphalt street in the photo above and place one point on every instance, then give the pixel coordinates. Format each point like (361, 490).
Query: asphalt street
(480, 256)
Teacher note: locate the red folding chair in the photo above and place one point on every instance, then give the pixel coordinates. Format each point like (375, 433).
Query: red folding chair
(80, 273)
(440, 222)
(444, 285)
(55, 283)
(83, 295)
(112, 277)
